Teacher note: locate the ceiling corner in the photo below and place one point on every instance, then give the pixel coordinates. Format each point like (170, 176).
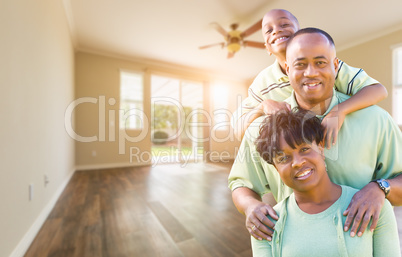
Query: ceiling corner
(70, 20)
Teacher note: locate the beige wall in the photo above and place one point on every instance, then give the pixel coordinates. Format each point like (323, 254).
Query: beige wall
(36, 78)
(375, 57)
(98, 77)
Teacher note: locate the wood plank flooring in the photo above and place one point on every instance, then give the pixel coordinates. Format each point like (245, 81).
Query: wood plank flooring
(166, 210)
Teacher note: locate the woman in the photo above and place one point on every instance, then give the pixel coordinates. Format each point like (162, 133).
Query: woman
(310, 219)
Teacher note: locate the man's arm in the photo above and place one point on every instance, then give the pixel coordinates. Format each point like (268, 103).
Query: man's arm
(395, 195)
(249, 203)
(367, 204)
(244, 122)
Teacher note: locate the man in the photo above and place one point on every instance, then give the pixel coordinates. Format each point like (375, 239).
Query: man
(271, 86)
(368, 146)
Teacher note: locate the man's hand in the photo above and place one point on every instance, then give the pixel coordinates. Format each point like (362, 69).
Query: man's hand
(332, 122)
(366, 204)
(269, 106)
(257, 223)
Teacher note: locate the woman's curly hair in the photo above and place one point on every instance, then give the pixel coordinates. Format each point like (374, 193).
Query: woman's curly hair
(297, 126)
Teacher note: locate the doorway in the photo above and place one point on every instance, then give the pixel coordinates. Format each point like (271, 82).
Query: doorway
(176, 115)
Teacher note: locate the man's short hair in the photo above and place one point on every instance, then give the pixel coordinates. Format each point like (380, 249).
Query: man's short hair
(297, 126)
(311, 30)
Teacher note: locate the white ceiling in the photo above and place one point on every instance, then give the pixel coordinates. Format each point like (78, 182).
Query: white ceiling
(172, 30)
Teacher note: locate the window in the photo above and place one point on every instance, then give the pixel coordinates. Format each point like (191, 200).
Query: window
(220, 102)
(131, 101)
(397, 89)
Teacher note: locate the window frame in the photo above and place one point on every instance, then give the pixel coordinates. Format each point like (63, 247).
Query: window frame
(397, 87)
(126, 100)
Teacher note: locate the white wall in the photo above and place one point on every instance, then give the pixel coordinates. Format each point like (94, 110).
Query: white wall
(37, 84)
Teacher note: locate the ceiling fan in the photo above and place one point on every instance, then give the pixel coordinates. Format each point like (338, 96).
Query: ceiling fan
(234, 39)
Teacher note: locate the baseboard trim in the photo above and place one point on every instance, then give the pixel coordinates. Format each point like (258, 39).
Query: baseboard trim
(110, 165)
(26, 241)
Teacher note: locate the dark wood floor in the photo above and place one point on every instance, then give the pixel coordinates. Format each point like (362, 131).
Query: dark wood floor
(166, 210)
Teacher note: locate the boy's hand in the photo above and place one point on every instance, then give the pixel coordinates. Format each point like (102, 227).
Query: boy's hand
(332, 122)
(270, 106)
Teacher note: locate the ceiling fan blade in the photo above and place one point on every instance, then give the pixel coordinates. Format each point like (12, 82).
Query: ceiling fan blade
(254, 44)
(211, 45)
(219, 28)
(230, 54)
(257, 26)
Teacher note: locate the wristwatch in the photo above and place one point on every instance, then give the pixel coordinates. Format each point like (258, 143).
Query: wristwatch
(384, 186)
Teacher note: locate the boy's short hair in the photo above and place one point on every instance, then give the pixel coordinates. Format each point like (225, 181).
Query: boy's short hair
(296, 126)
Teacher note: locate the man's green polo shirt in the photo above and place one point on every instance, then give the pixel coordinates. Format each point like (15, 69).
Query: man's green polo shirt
(369, 146)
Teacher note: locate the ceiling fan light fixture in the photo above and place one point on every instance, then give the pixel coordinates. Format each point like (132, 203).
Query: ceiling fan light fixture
(234, 39)
(233, 47)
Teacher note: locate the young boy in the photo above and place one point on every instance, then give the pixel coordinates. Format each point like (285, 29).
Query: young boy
(272, 86)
